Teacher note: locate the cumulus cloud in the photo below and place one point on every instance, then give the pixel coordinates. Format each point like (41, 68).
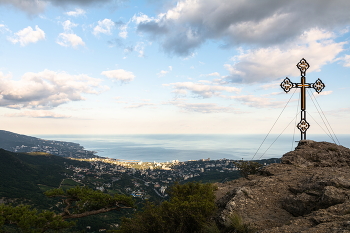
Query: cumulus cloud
(190, 23)
(121, 75)
(268, 64)
(34, 7)
(104, 26)
(29, 6)
(76, 13)
(37, 114)
(27, 35)
(81, 2)
(68, 25)
(202, 90)
(123, 31)
(45, 90)
(69, 39)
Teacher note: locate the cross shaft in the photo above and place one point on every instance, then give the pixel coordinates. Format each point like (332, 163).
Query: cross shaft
(287, 85)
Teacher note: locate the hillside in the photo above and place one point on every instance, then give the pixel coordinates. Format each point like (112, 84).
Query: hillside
(23, 175)
(308, 191)
(22, 143)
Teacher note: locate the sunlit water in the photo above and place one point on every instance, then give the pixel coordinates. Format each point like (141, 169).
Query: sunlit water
(184, 147)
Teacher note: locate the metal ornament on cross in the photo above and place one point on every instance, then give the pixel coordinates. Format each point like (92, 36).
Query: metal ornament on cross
(287, 85)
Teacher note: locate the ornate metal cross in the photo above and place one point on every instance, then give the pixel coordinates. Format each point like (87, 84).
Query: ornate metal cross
(287, 85)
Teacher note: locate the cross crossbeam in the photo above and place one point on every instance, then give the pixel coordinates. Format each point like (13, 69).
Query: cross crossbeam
(287, 85)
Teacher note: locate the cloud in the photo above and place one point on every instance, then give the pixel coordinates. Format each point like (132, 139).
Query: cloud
(202, 90)
(82, 2)
(3, 28)
(268, 64)
(68, 25)
(186, 26)
(346, 59)
(140, 105)
(258, 102)
(121, 75)
(29, 6)
(27, 35)
(322, 93)
(104, 26)
(34, 7)
(140, 48)
(214, 74)
(202, 107)
(76, 13)
(37, 114)
(164, 72)
(123, 31)
(272, 85)
(69, 39)
(45, 90)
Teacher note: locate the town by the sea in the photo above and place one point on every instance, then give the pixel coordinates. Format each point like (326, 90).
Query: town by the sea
(186, 147)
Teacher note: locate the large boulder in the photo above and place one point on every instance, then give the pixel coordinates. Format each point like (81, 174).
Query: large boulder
(309, 191)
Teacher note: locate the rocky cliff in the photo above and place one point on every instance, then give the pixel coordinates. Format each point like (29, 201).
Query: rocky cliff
(309, 191)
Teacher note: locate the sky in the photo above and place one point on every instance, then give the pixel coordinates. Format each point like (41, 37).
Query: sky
(171, 67)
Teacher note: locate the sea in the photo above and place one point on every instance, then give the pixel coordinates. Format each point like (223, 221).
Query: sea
(186, 147)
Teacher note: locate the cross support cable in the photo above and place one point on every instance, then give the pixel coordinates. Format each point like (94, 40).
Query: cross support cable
(287, 85)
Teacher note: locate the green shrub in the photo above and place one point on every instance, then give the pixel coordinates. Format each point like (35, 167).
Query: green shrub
(248, 168)
(236, 224)
(25, 219)
(188, 210)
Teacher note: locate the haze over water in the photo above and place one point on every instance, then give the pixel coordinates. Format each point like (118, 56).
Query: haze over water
(184, 147)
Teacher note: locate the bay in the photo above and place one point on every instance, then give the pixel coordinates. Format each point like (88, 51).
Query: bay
(185, 147)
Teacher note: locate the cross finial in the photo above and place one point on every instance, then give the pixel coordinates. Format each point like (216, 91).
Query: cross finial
(287, 85)
(303, 66)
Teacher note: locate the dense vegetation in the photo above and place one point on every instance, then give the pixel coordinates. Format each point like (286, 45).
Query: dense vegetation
(77, 202)
(20, 171)
(247, 168)
(189, 209)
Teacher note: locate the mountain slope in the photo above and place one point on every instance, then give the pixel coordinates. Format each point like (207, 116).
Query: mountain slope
(21, 174)
(308, 192)
(22, 143)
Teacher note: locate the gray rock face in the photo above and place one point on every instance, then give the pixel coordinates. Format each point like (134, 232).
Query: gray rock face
(308, 192)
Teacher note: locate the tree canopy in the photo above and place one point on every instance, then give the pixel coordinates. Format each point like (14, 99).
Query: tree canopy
(188, 210)
(77, 202)
(82, 201)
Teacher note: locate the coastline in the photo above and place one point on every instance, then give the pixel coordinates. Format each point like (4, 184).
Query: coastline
(162, 148)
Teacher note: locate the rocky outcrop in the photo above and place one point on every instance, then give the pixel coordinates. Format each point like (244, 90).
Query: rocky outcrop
(309, 191)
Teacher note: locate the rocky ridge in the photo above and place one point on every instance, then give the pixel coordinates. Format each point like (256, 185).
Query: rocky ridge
(309, 191)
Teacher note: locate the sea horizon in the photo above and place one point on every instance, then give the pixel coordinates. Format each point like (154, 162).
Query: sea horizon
(185, 147)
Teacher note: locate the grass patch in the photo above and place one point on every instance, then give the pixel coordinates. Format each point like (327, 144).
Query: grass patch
(236, 224)
(69, 183)
(112, 192)
(44, 188)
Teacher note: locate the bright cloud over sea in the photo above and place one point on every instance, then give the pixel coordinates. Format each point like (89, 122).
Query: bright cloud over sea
(185, 66)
